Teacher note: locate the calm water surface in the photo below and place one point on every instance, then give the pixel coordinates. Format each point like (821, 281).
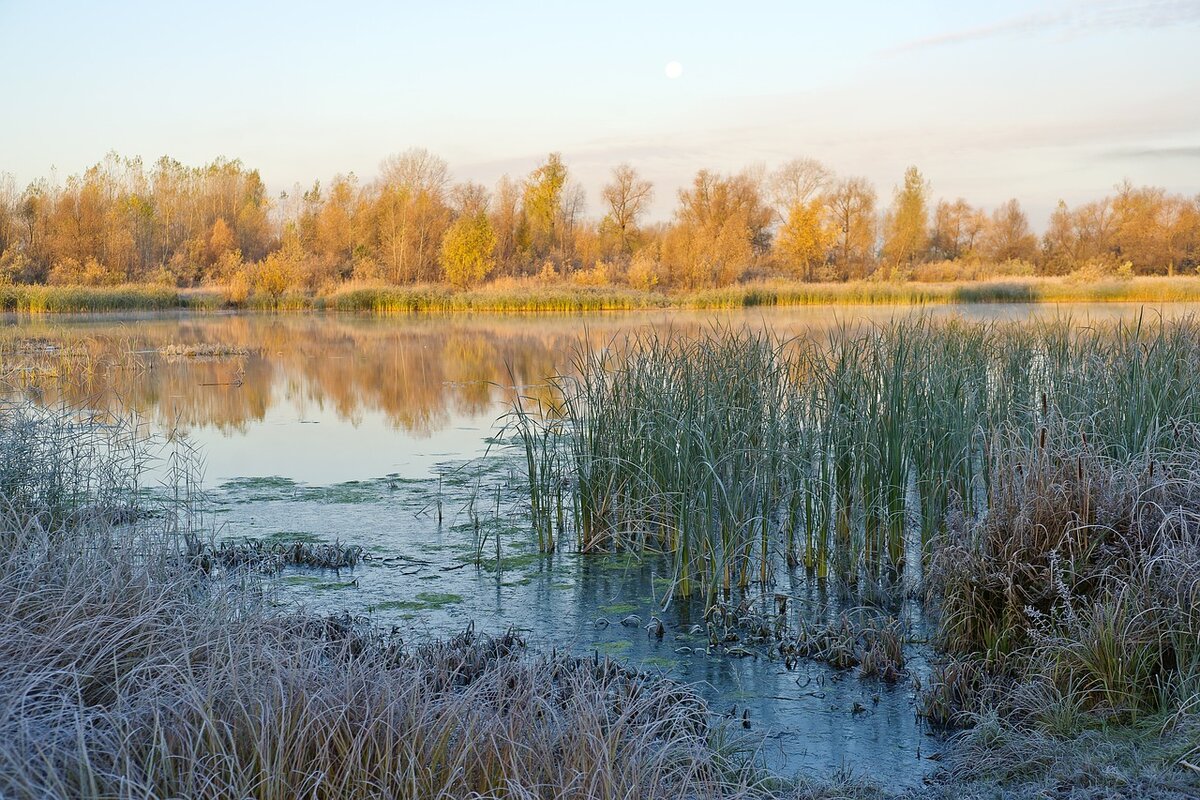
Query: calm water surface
(381, 432)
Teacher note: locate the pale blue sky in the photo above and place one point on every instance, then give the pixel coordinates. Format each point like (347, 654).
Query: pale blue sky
(990, 99)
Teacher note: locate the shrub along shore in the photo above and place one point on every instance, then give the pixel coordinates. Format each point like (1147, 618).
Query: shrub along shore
(532, 295)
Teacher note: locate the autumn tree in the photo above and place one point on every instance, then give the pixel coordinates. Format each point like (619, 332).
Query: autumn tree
(906, 236)
(253, 226)
(543, 208)
(9, 203)
(720, 227)
(280, 270)
(411, 215)
(957, 226)
(123, 220)
(626, 198)
(507, 223)
(1141, 224)
(1075, 237)
(334, 226)
(220, 240)
(803, 238)
(850, 205)
(469, 244)
(803, 241)
(574, 203)
(1183, 234)
(1008, 236)
(796, 183)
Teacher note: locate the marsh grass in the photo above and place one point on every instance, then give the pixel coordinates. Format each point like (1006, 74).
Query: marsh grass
(530, 295)
(739, 454)
(127, 673)
(202, 351)
(62, 357)
(1077, 598)
(534, 296)
(143, 682)
(999, 759)
(522, 297)
(60, 467)
(85, 299)
(1038, 483)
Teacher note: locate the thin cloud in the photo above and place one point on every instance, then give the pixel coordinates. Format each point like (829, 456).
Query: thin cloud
(1152, 153)
(1079, 18)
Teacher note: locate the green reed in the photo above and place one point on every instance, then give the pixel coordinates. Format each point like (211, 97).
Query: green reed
(739, 453)
(39, 299)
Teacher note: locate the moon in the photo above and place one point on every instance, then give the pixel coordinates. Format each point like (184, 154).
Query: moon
(673, 69)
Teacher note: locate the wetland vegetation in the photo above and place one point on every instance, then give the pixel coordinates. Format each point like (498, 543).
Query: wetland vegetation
(1035, 484)
(977, 539)
(797, 402)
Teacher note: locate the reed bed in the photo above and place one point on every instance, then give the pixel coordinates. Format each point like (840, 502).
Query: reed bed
(529, 295)
(202, 351)
(1037, 483)
(525, 296)
(60, 467)
(740, 454)
(916, 293)
(62, 357)
(35, 299)
(517, 298)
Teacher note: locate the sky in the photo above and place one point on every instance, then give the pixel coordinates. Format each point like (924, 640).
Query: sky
(991, 100)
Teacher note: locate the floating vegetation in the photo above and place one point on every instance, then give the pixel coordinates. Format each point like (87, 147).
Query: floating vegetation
(866, 638)
(272, 488)
(201, 351)
(271, 556)
(438, 599)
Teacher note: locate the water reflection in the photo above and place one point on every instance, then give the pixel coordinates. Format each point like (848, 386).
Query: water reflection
(420, 375)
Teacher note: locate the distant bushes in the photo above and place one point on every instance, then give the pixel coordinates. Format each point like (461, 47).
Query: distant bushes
(969, 270)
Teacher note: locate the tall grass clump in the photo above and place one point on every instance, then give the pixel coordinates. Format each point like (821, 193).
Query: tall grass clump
(126, 672)
(1079, 591)
(61, 467)
(659, 461)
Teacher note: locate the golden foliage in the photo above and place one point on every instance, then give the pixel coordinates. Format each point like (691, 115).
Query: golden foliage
(468, 250)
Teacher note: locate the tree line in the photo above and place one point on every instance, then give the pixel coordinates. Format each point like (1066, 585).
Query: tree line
(123, 221)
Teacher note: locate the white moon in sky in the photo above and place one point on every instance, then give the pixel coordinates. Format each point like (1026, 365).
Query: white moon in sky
(673, 70)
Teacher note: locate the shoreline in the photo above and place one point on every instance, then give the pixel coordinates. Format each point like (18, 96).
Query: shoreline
(535, 297)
